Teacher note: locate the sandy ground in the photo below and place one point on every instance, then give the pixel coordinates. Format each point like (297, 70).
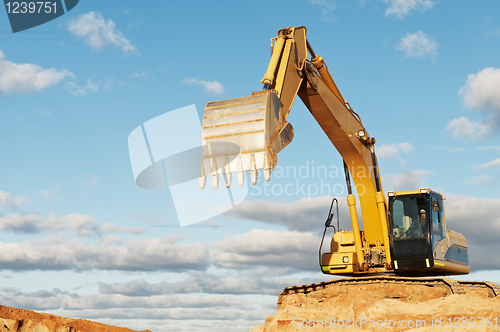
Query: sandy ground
(390, 307)
(20, 320)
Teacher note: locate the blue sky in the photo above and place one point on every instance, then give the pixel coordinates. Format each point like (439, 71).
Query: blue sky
(79, 238)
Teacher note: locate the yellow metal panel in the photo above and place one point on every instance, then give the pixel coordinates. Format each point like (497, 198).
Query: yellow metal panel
(341, 126)
(333, 263)
(351, 202)
(288, 79)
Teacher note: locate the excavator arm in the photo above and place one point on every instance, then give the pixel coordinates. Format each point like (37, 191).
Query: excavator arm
(291, 73)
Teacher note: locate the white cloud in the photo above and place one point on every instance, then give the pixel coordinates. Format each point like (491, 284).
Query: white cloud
(260, 247)
(418, 45)
(401, 8)
(43, 113)
(482, 90)
(327, 4)
(56, 253)
(99, 33)
(149, 218)
(405, 147)
(161, 70)
(77, 224)
(327, 8)
(407, 180)
(58, 299)
(247, 282)
(112, 228)
(87, 180)
(482, 180)
(303, 215)
(495, 148)
(135, 25)
(393, 151)
(220, 319)
(26, 77)
(80, 224)
(462, 127)
(478, 220)
(211, 87)
(47, 194)
(29, 223)
(495, 31)
(90, 87)
(489, 164)
(142, 74)
(8, 200)
(210, 223)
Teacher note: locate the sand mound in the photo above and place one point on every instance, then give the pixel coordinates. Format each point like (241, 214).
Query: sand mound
(385, 307)
(20, 320)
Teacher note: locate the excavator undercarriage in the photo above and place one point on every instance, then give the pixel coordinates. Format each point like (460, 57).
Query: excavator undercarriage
(450, 286)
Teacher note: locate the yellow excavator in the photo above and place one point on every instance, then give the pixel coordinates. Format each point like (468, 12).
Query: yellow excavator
(405, 233)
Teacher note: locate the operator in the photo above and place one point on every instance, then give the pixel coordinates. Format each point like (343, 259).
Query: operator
(415, 229)
(422, 219)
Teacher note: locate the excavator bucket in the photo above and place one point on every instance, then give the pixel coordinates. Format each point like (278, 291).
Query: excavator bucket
(243, 134)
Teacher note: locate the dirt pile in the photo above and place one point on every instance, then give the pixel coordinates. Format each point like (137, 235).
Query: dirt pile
(20, 320)
(385, 307)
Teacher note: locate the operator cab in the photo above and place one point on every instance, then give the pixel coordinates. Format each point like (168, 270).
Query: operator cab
(418, 236)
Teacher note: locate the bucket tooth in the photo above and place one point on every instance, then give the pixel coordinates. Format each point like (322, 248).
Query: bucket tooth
(203, 178)
(241, 178)
(215, 181)
(267, 168)
(267, 174)
(253, 176)
(241, 174)
(227, 179)
(215, 174)
(253, 171)
(227, 173)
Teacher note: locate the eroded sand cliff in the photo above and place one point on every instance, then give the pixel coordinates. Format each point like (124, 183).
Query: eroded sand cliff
(20, 320)
(385, 307)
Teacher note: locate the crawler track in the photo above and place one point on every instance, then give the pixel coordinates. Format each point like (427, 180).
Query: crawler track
(495, 289)
(455, 286)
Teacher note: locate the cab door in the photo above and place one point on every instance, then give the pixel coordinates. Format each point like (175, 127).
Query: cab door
(437, 228)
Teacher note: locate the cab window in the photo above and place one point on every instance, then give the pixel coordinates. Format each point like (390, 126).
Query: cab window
(407, 221)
